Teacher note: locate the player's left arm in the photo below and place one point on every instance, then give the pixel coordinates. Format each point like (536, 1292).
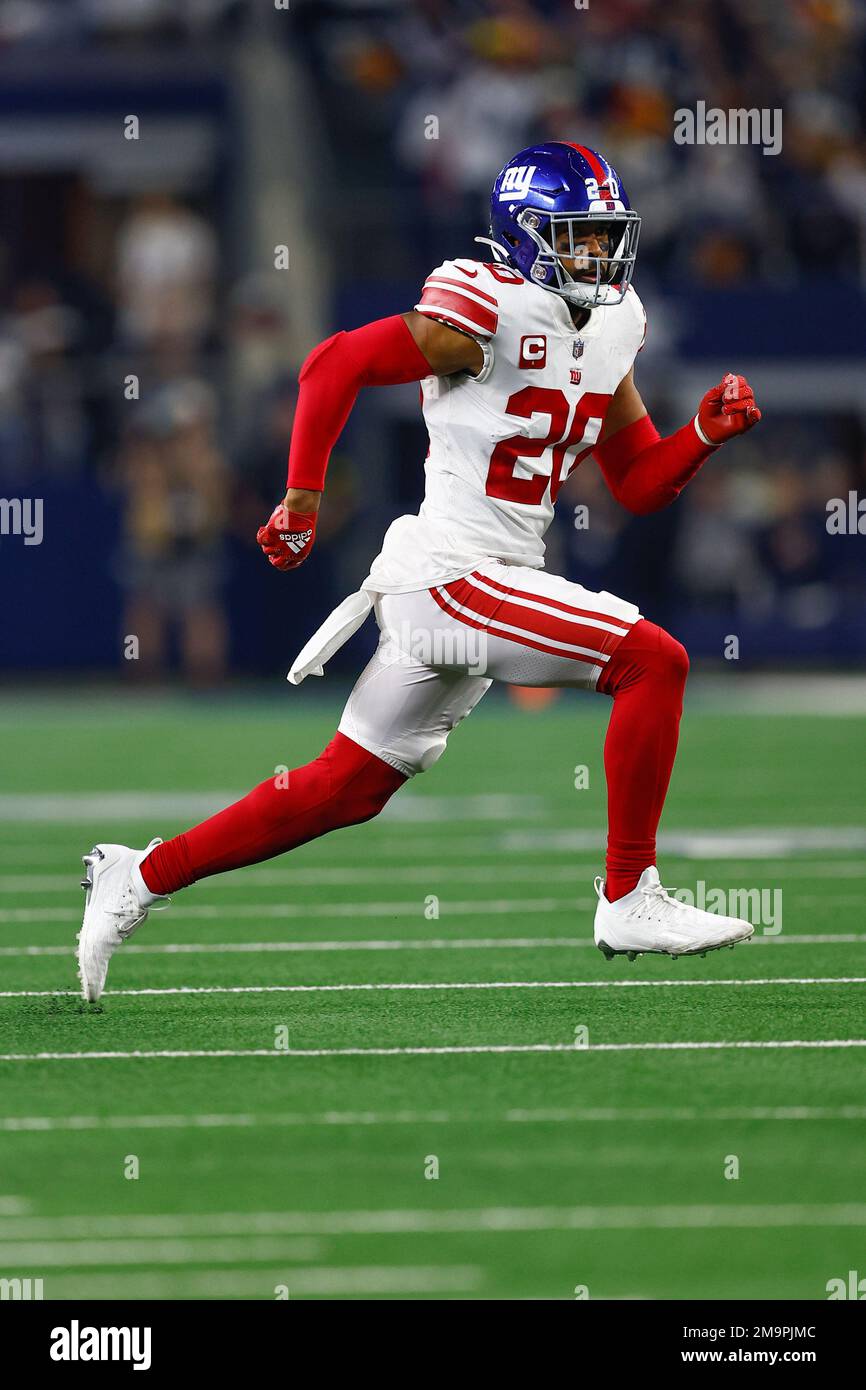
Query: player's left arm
(645, 472)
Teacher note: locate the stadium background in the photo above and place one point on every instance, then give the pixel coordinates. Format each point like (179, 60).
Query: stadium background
(308, 128)
(258, 128)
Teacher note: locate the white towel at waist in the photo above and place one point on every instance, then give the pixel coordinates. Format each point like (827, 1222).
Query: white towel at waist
(337, 628)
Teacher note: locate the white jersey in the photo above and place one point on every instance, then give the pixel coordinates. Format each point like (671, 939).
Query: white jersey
(503, 442)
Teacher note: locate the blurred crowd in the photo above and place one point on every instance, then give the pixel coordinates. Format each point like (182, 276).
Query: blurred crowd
(150, 370)
(498, 76)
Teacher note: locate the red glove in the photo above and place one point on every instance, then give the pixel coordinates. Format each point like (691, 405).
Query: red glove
(287, 537)
(727, 410)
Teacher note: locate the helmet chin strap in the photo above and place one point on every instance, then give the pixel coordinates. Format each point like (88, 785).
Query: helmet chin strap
(502, 253)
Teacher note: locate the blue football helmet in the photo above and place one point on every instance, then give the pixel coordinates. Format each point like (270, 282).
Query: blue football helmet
(555, 188)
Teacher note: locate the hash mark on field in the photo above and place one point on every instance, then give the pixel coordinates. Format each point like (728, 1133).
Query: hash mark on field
(444, 984)
(26, 1124)
(444, 1051)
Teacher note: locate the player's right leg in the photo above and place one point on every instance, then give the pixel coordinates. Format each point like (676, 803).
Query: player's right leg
(396, 723)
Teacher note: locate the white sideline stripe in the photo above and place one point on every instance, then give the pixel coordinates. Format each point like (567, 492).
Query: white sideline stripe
(445, 1051)
(492, 943)
(551, 1115)
(444, 985)
(481, 907)
(540, 604)
(403, 1221)
(496, 627)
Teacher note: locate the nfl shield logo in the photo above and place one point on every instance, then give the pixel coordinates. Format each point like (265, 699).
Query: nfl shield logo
(577, 348)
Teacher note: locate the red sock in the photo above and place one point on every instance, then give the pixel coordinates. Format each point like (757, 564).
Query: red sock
(343, 786)
(646, 676)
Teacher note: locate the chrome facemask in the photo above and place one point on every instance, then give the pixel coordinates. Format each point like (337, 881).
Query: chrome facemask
(611, 274)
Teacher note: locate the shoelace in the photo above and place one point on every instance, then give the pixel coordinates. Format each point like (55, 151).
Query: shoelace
(129, 906)
(654, 897)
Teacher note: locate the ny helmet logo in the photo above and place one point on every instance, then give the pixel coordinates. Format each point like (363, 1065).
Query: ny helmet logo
(515, 182)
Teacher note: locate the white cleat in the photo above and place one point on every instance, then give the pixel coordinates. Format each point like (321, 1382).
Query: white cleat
(116, 904)
(648, 921)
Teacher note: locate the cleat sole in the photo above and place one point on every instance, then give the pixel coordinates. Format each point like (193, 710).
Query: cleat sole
(609, 953)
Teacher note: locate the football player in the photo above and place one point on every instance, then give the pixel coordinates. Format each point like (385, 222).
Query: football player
(526, 367)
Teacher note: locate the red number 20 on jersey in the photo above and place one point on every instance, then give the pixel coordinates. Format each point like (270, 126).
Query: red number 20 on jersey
(560, 438)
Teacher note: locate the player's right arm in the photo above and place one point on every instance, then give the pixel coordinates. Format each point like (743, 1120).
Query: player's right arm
(391, 351)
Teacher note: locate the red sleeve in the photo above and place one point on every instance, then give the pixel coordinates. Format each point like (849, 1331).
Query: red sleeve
(383, 353)
(645, 472)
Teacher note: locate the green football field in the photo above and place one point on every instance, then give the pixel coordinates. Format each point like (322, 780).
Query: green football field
(393, 1064)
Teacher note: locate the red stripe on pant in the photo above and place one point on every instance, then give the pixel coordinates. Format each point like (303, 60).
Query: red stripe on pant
(546, 627)
(546, 601)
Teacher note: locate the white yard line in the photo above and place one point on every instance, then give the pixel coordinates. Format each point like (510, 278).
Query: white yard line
(401, 1221)
(483, 907)
(331, 875)
(445, 1051)
(48, 1253)
(400, 986)
(424, 874)
(494, 943)
(175, 1283)
(28, 1124)
(749, 843)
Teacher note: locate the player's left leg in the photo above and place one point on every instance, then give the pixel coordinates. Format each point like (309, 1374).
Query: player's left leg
(396, 723)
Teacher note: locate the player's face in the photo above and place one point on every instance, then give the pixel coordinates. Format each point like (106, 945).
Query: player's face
(593, 242)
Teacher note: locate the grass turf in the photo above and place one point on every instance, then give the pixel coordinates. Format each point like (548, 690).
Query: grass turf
(556, 1170)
